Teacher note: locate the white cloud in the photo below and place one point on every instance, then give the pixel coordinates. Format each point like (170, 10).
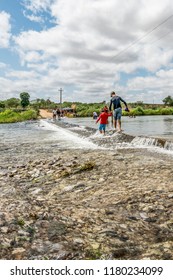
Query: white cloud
(93, 43)
(153, 87)
(37, 5)
(33, 17)
(5, 29)
(2, 65)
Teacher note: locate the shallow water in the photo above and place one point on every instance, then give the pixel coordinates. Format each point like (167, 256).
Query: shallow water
(40, 132)
(160, 126)
(43, 131)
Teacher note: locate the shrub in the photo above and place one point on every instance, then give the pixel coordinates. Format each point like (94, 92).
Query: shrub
(166, 111)
(150, 112)
(29, 115)
(10, 116)
(138, 111)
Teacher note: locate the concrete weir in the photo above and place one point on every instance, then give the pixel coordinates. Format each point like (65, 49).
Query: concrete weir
(151, 141)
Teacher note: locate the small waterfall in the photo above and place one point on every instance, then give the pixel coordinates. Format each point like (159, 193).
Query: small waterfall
(168, 146)
(145, 141)
(66, 138)
(152, 142)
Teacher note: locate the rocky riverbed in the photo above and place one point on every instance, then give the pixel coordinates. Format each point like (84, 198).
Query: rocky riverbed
(85, 204)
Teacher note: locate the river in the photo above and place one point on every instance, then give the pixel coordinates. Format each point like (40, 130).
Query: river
(46, 130)
(157, 126)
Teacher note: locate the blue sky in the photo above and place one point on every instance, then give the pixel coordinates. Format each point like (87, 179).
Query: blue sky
(88, 48)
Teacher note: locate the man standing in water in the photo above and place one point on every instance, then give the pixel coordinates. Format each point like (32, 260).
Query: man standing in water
(116, 102)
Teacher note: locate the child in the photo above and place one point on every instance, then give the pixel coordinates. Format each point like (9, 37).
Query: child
(103, 120)
(54, 114)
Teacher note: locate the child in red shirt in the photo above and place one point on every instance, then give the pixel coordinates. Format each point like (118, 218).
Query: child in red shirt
(103, 118)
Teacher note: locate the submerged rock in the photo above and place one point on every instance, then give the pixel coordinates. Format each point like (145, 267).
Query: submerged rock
(85, 204)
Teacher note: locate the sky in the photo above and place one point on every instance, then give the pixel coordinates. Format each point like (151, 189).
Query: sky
(88, 48)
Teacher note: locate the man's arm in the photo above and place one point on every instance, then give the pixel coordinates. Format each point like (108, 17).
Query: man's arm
(124, 102)
(110, 105)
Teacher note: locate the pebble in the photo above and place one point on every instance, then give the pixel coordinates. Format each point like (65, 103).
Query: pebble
(106, 204)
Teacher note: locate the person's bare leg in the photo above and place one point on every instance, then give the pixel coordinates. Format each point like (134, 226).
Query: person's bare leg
(119, 125)
(115, 124)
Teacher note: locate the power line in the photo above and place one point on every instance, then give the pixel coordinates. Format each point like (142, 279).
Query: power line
(140, 38)
(152, 43)
(164, 35)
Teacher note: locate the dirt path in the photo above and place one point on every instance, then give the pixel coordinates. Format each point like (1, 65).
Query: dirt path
(45, 114)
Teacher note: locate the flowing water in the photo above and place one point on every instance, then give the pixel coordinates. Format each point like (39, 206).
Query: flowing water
(154, 126)
(147, 130)
(40, 132)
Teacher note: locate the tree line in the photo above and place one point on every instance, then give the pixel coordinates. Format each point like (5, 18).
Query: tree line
(16, 102)
(84, 109)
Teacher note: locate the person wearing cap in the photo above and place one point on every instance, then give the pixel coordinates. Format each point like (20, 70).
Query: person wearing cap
(95, 115)
(116, 103)
(103, 118)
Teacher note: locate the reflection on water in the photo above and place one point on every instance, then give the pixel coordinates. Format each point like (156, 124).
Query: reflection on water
(29, 131)
(40, 131)
(160, 126)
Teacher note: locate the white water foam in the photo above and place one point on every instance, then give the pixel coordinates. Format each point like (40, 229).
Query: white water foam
(168, 146)
(144, 141)
(97, 134)
(66, 138)
(153, 145)
(152, 142)
(78, 128)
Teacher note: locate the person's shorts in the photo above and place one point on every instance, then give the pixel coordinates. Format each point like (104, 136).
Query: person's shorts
(102, 126)
(117, 113)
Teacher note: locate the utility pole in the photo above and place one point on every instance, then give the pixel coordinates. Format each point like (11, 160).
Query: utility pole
(60, 95)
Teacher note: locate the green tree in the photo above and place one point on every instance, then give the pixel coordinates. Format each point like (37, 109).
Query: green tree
(2, 104)
(168, 100)
(24, 96)
(12, 102)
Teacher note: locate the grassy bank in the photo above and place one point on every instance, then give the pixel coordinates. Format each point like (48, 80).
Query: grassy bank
(10, 116)
(87, 110)
(18, 115)
(139, 111)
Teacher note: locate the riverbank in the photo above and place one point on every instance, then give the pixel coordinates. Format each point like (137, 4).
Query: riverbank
(85, 204)
(45, 114)
(12, 116)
